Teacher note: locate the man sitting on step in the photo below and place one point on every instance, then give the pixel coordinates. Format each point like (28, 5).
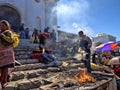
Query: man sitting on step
(45, 56)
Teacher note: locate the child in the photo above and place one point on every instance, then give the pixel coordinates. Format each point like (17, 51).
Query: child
(116, 72)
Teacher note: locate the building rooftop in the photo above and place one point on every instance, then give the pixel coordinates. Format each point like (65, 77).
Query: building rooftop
(100, 34)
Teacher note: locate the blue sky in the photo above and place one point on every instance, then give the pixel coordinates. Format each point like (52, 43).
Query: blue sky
(91, 16)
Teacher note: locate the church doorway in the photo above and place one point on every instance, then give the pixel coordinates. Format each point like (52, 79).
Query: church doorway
(12, 15)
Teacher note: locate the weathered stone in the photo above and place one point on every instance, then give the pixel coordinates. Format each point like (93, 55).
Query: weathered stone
(42, 72)
(25, 85)
(29, 67)
(36, 89)
(18, 75)
(11, 86)
(28, 61)
(19, 68)
(28, 84)
(45, 82)
(32, 74)
(35, 83)
(54, 69)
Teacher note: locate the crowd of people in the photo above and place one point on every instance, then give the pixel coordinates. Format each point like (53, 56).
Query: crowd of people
(65, 48)
(104, 61)
(48, 47)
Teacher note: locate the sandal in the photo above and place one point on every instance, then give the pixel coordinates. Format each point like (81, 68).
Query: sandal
(4, 85)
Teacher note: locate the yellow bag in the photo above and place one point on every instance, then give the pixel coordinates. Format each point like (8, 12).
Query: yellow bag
(10, 38)
(15, 40)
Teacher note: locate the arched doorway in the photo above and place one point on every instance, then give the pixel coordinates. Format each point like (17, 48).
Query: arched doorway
(12, 15)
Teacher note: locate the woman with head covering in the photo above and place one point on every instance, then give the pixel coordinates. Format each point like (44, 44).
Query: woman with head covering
(6, 51)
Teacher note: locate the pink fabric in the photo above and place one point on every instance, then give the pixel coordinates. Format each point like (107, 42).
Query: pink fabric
(6, 56)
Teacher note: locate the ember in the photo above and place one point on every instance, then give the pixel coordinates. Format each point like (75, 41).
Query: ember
(83, 77)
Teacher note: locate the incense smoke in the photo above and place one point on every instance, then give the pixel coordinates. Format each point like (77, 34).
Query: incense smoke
(72, 16)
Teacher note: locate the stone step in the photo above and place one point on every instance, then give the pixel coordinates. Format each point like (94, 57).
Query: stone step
(33, 66)
(29, 67)
(26, 53)
(28, 61)
(26, 42)
(22, 53)
(47, 84)
(28, 45)
(24, 84)
(36, 82)
(31, 73)
(32, 61)
(28, 74)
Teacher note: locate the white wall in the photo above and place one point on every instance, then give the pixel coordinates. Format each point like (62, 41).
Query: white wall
(51, 19)
(29, 11)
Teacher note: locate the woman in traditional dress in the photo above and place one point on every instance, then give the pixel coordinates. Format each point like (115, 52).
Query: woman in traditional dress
(6, 51)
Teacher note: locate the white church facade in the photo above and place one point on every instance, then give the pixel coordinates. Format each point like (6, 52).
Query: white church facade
(33, 13)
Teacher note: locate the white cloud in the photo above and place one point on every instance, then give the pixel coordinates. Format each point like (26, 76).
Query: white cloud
(72, 15)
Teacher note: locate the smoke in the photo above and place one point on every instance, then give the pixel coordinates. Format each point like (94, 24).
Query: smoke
(72, 16)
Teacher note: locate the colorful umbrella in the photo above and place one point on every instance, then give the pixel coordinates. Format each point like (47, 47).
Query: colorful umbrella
(107, 47)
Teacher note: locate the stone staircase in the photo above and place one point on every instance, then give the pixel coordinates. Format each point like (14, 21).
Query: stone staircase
(32, 75)
(25, 43)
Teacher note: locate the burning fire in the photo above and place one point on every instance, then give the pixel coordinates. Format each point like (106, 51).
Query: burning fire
(84, 77)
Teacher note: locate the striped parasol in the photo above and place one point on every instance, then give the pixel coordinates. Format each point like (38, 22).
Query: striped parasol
(107, 47)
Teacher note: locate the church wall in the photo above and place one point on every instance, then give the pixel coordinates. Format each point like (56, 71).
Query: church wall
(33, 14)
(34, 11)
(51, 19)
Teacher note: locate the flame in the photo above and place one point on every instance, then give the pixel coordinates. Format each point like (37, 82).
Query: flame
(84, 77)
